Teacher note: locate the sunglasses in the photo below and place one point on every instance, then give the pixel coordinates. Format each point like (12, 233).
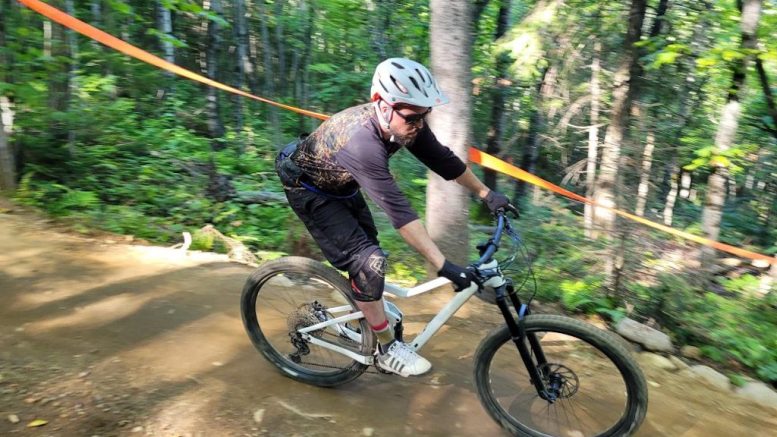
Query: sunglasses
(413, 118)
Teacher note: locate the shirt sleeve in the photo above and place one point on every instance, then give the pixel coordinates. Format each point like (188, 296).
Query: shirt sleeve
(366, 158)
(435, 156)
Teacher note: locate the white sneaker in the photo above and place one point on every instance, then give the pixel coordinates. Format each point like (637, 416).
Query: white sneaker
(402, 360)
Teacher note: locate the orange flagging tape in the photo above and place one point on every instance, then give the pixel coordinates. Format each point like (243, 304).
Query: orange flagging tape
(497, 164)
(128, 49)
(475, 155)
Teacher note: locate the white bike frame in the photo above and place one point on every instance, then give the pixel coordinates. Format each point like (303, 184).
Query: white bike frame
(421, 339)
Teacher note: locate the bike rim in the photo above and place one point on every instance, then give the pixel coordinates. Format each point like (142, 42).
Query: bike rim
(287, 301)
(592, 395)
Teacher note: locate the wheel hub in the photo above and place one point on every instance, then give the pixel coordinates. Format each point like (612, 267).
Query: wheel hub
(560, 381)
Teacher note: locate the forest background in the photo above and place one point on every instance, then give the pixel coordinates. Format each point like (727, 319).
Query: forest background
(663, 108)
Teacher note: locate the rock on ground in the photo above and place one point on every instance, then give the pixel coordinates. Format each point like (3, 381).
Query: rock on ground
(758, 392)
(712, 376)
(691, 352)
(651, 339)
(656, 361)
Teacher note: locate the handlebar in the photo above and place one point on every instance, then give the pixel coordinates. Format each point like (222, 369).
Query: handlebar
(488, 249)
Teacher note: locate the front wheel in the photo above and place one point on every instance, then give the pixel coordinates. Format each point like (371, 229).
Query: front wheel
(598, 389)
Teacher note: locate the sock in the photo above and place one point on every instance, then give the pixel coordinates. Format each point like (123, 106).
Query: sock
(384, 332)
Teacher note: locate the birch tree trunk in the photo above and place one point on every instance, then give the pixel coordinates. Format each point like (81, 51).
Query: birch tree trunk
(644, 175)
(674, 189)
(593, 139)
(727, 129)
(7, 161)
(447, 203)
(604, 194)
(7, 155)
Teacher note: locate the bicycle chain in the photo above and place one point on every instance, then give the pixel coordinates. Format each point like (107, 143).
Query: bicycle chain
(377, 371)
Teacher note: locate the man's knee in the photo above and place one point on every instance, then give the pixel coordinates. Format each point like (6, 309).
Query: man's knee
(367, 282)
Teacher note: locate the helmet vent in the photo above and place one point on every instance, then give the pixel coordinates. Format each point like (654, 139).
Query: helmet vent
(399, 66)
(399, 85)
(420, 75)
(415, 82)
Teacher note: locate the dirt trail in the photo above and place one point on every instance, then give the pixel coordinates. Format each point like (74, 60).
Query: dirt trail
(103, 338)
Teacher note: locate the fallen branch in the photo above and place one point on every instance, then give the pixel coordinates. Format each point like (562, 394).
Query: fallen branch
(236, 250)
(260, 197)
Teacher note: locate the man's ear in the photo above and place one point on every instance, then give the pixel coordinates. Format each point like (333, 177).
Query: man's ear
(383, 118)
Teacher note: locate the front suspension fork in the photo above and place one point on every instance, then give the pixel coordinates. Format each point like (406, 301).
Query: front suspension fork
(536, 367)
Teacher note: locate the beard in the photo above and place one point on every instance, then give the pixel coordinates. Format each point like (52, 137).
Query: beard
(403, 140)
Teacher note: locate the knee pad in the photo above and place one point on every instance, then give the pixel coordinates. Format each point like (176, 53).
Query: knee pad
(367, 282)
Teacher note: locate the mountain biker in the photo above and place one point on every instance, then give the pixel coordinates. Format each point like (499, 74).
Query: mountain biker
(323, 174)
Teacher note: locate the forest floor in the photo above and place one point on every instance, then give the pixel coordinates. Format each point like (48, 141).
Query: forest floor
(102, 337)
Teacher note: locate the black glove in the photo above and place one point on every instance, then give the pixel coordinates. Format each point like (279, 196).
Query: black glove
(460, 276)
(495, 201)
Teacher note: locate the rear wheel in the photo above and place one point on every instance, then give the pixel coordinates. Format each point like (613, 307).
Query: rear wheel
(596, 388)
(291, 293)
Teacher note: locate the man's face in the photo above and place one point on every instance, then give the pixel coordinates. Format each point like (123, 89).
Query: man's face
(406, 122)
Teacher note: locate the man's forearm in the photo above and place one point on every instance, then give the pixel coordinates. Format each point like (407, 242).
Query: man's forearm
(414, 233)
(473, 184)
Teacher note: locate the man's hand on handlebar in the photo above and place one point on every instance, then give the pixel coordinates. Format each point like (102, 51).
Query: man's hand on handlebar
(461, 277)
(496, 201)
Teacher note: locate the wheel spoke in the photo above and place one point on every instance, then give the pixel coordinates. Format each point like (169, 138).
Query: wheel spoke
(278, 303)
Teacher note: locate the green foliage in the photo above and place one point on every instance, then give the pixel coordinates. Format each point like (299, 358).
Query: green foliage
(129, 151)
(742, 330)
(586, 295)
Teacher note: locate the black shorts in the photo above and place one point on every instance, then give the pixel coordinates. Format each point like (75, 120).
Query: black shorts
(342, 227)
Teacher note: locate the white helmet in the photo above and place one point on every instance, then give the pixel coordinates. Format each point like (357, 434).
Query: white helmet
(400, 80)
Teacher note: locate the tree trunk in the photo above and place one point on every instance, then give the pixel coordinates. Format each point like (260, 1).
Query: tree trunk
(593, 139)
(604, 194)
(674, 189)
(7, 161)
(269, 79)
(302, 73)
(380, 21)
(165, 24)
(447, 204)
(95, 8)
(727, 129)
(245, 68)
(531, 147)
(72, 43)
(215, 125)
(7, 155)
(59, 84)
(658, 22)
(767, 90)
(503, 61)
(644, 174)
(279, 40)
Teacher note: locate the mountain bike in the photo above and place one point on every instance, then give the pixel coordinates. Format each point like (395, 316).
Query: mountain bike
(537, 375)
